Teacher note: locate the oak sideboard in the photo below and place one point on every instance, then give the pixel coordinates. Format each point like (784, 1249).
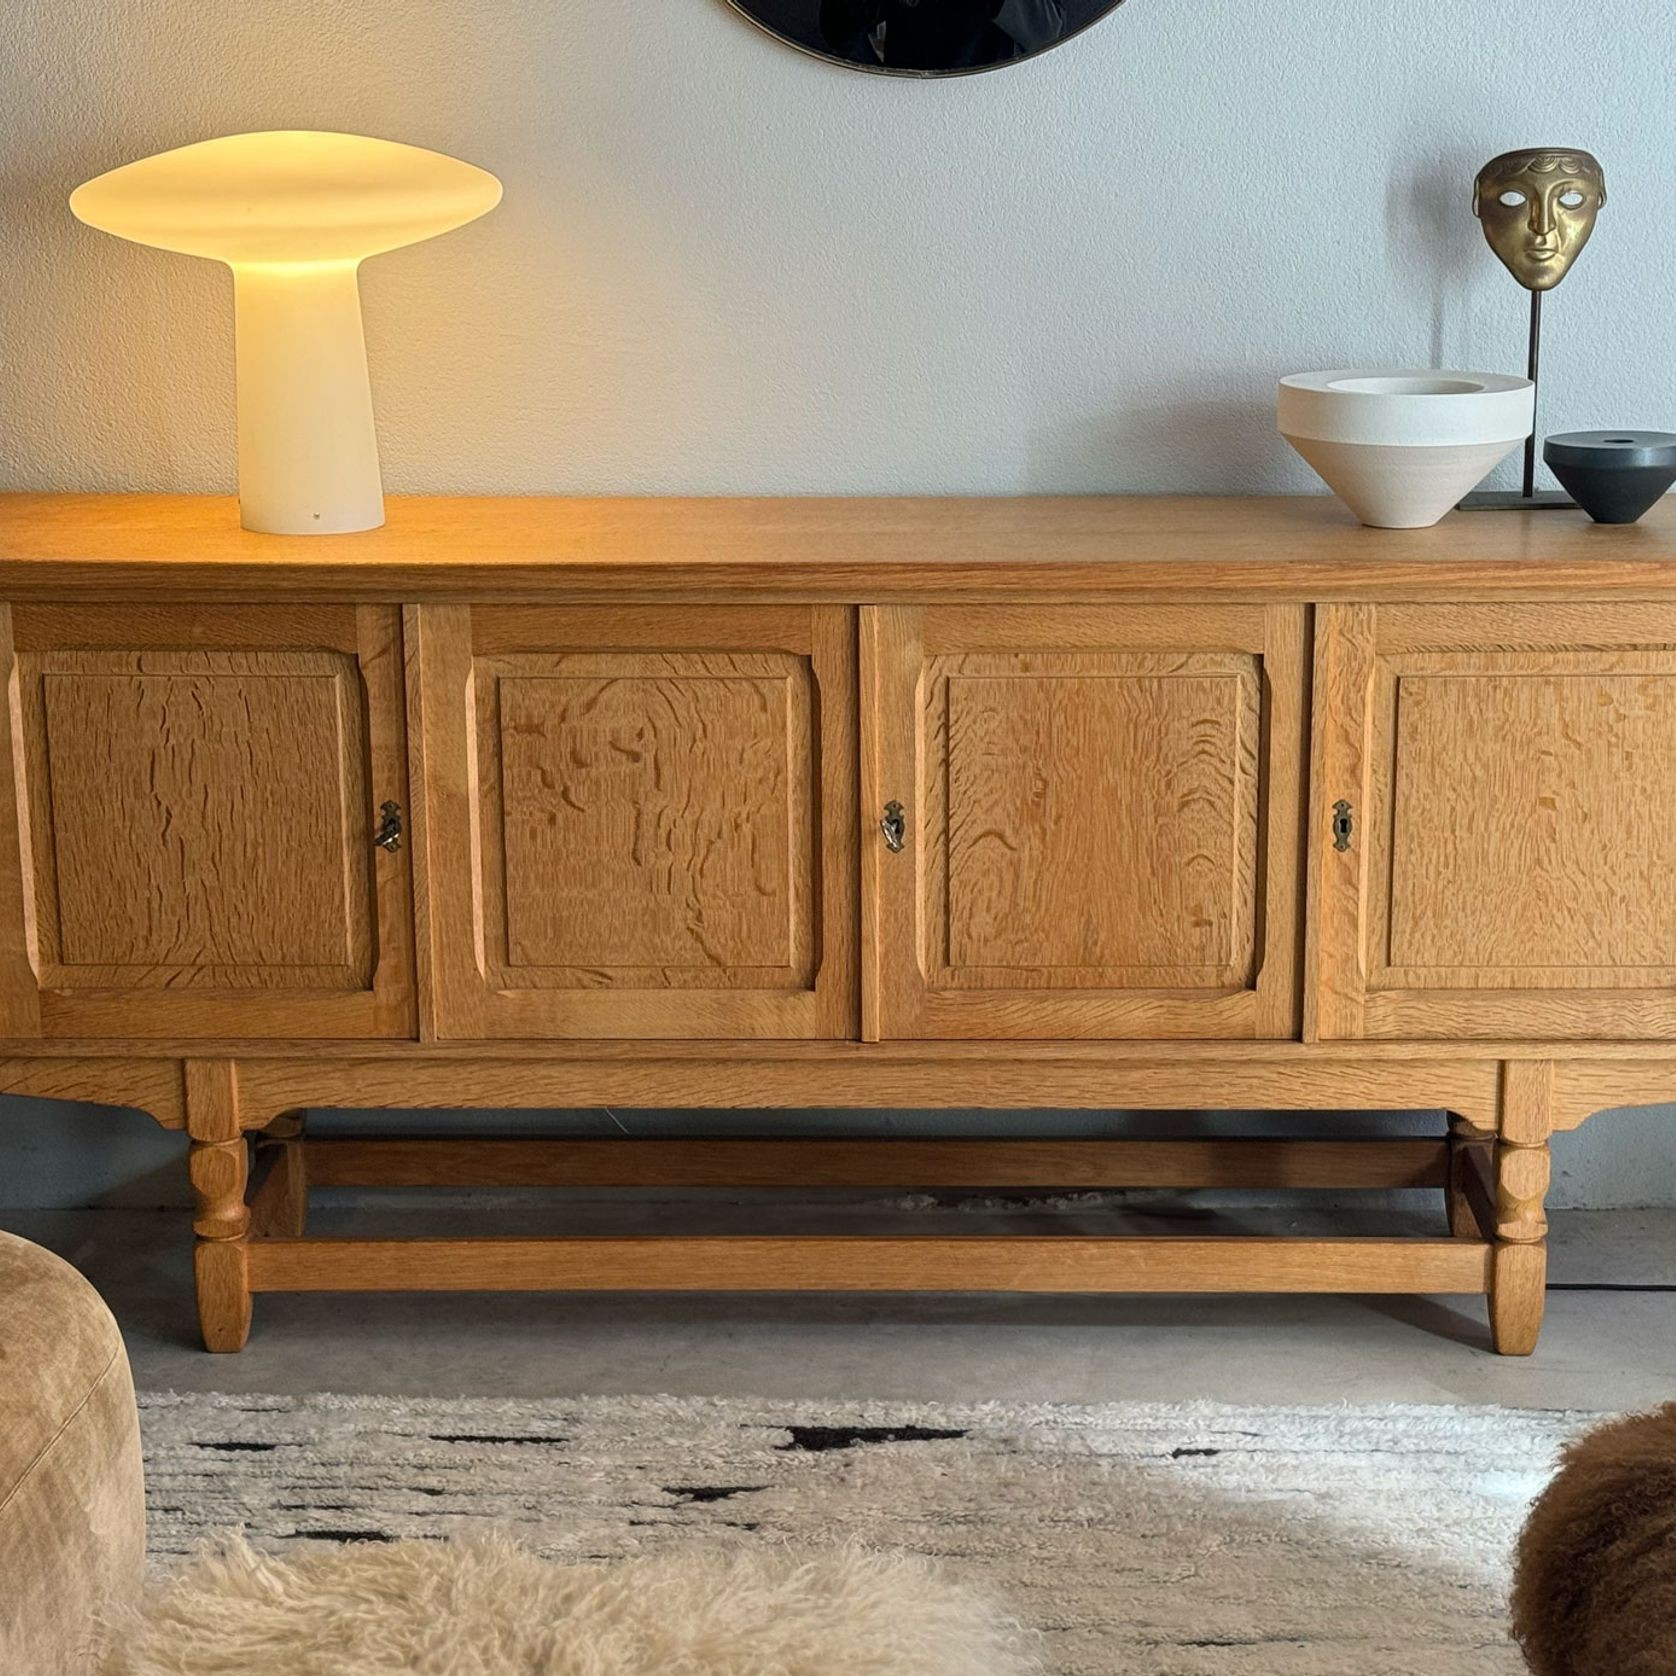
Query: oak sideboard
(1029, 804)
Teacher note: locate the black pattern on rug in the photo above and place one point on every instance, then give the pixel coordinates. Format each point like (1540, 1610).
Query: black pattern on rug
(1192, 1541)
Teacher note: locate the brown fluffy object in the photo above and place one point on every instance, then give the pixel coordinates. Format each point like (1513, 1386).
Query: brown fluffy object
(1594, 1591)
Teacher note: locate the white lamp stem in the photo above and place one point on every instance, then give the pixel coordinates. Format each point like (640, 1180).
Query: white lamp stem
(308, 454)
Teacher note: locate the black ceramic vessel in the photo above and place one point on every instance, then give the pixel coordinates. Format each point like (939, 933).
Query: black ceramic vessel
(1613, 475)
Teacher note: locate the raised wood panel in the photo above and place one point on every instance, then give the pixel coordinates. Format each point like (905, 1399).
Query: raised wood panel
(1095, 818)
(1529, 800)
(652, 816)
(196, 802)
(202, 809)
(1103, 820)
(1510, 872)
(640, 822)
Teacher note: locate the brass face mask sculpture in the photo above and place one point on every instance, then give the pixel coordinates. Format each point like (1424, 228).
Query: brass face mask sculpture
(1538, 208)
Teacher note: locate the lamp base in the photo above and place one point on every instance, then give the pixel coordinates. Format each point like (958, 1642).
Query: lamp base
(308, 454)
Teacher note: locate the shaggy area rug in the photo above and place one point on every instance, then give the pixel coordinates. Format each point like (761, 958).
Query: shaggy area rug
(485, 1606)
(1136, 1540)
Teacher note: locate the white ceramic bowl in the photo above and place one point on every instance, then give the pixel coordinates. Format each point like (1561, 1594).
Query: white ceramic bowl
(1400, 446)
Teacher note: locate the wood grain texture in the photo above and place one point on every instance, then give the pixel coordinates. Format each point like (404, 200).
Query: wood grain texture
(1589, 1077)
(1335, 967)
(860, 1263)
(1523, 1169)
(873, 649)
(279, 1188)
(640, 823)
(214, 1102)
(648, 828)
(1346, 1056)
(1522, 1177)
(649, 760)
(199, 812)
(380, 657)
(1101, 819)
(222, 1272)
(153, 1086)
(1002, 1079)
(274, 625)
(1508, 765)
(1474, 1193)
(425, 914)
(1528, 844)
(1086, 816)
(1518, 1297)
(1527, 1101)
(108, 547)
(1468, 1198)
(1199, 1162)
(197, 808)
(219, 1173)
(1510, 625)
(20, 990)
(218, 1165)
(1583, 1087)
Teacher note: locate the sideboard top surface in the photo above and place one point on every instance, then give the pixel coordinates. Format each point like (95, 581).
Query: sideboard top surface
(860, 549)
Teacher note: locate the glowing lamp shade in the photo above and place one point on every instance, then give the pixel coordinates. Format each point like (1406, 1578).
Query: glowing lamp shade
(294, 214)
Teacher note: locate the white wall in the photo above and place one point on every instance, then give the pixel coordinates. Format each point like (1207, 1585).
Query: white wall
(723, 267)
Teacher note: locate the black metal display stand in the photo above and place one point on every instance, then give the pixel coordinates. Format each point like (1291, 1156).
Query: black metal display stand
(1527, 499)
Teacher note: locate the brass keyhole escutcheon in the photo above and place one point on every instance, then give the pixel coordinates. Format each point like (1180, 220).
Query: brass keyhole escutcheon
(894, 826)
(389, 834)
(1344, 825)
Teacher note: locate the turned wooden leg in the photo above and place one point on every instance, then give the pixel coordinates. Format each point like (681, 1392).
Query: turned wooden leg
(219, 1165)
(1465, 1140)
(1519, 1272)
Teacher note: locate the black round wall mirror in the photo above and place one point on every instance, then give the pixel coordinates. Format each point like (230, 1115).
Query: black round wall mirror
(925, 37)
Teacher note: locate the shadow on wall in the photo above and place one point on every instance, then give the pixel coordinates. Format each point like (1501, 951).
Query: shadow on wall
(1429, 208)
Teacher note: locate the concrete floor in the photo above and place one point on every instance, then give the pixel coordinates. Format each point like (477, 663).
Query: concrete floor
(1604, 1347)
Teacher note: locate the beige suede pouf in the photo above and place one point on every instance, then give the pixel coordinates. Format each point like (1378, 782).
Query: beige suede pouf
(72, 1495)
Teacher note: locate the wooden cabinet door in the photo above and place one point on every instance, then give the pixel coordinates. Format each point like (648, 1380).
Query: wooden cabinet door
(197, 795)
(1101, 811)
(1508, 775)
(641, 820)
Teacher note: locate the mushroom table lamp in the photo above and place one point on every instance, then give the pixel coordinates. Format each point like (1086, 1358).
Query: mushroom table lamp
(294, 214)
